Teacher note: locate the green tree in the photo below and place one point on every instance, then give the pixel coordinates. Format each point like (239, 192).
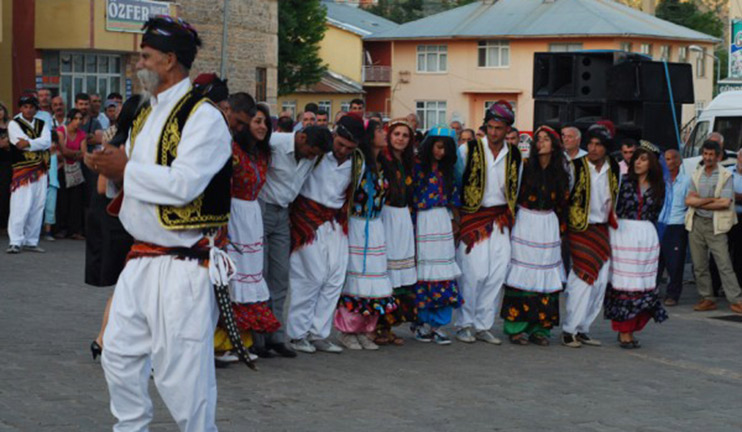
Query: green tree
(399, 11)
(301, 27)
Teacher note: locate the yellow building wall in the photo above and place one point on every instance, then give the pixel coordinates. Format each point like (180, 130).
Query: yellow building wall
(302, 99)
(6, 71)
(465, 86)
(66, 24)
(342, 51)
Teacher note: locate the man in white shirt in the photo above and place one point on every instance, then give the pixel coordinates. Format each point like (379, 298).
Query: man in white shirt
(292, 159)
(571, 138)
(319, 244)
(176, 186)
(591, 209)
(30, 141)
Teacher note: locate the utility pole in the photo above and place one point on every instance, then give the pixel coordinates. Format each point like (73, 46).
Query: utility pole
(223, 68)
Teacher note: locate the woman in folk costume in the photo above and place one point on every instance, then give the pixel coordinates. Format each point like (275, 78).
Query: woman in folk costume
(632, 297)
(367, 293)
(530, 307)
(396, 162)
(435, 202)
(250, 160)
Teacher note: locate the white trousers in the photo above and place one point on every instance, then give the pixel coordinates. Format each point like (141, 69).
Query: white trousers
(317, 276)
(27, 213)
(163, 315)
(483, 272)
(583, 301)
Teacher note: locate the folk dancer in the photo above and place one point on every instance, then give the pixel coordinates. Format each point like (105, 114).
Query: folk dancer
(30, 141)
(633, 297)
(292, 159)
(176, 185)
(436, 200)
(396, 161)
(530, 307)
(251, 133)
(319, 243)
(596, 180)
(367, 293)
(489, 191)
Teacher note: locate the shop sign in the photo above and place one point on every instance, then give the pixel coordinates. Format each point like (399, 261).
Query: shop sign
(130, 15)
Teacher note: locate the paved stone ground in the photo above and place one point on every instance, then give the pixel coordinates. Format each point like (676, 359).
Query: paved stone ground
(687, 377)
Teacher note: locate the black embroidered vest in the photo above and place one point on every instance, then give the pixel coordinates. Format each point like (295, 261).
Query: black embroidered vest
(475, 176)
(579, 197)
(29, 159)
(211, 208)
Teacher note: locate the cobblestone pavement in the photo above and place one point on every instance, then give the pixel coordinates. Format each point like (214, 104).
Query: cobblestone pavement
(687, 376)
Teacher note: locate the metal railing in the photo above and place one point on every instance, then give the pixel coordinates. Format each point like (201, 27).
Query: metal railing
(381, 74)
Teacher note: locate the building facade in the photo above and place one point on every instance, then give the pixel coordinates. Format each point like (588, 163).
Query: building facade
(92, 46)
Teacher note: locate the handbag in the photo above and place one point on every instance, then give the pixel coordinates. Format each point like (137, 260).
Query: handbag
(72, 172)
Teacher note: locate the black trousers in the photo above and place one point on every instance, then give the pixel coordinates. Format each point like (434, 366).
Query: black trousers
(673, 246)
(70, 209)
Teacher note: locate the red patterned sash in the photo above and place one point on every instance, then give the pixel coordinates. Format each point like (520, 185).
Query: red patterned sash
(199, 251)
(477, 227)
(307, 216)
(27, 175)
(590, 249)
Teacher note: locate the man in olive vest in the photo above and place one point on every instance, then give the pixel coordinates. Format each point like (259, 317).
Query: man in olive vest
(490, 190)
(176, 185)
(30, 141)
(596, 180)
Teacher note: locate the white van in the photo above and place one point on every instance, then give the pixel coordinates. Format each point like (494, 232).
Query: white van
(723, 115)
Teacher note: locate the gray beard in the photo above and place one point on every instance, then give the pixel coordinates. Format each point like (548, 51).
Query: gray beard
(149, 80)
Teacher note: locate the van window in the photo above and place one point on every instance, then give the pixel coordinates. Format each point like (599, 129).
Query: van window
(697, 137)
(731, 129)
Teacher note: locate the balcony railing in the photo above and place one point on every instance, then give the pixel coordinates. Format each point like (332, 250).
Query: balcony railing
(377, 74)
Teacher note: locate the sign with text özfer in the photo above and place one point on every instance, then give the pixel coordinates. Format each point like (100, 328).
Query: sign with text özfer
(130, 15)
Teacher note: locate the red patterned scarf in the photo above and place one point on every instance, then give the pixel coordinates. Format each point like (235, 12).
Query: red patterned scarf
(590, 249)
(477, 227)
(307, 216)
(199, 251)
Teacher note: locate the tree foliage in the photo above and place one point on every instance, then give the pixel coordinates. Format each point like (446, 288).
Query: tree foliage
(399, 11)
(301, 27)
(688, 14)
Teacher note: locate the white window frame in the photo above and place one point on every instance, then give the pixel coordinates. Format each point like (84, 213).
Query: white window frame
(289, 105)
(437, 52)
(502, 47)
(425, 106)
(626, 46)
(345, 106)
(325, 105)
(683, 54)
(665, 52)
(78, 79)
(565, 46)
(645, 48)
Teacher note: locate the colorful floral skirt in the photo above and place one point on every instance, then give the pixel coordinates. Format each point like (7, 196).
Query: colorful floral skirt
(530, 307)
(626, 306)
(406, 308)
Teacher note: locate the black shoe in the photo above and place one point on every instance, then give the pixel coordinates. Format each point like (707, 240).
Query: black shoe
(587, 340)
(96, 350)
(568, 339)
(282, 350)
(261, 352)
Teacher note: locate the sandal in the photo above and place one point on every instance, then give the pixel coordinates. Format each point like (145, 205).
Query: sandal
(395, 340)
(539, 340)
(625, 345)
(519, 339)
(381, 339)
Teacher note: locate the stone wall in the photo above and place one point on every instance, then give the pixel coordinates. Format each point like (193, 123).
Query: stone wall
(252, 41)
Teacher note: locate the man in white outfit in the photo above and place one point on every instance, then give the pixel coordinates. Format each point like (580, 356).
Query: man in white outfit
(489, 193)
(596, 181)
(30, 140)
(319, 243)
(176, 185)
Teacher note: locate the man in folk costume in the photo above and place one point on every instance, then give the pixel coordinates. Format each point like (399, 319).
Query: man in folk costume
(176, 186)
(319, 243)
(595, 182)
(30, 141)
(489, 193)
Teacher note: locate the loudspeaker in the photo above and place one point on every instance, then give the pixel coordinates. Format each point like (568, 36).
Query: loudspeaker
(573, 75)
(551, 113)
(647, 81)
(652, 121)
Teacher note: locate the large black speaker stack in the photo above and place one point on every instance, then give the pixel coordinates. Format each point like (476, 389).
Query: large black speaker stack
(581, 88)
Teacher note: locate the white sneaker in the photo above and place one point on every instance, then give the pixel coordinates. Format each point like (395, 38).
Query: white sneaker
(227, 357)
(350, 341)
(325, 345)
(465, 335)
(252, 356)
(367, 343)
(486, 336)
(303, 345)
